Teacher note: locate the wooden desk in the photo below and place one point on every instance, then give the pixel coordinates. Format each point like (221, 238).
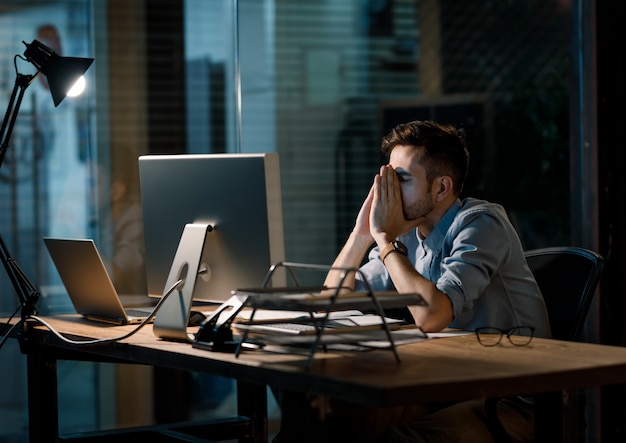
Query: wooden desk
(446, 369)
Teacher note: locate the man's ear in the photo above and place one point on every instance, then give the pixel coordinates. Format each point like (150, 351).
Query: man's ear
(444, 187)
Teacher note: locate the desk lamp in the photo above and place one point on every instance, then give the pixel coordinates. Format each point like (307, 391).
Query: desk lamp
(65, 77)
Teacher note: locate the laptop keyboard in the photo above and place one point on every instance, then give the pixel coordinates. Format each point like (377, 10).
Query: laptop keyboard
(137, 312)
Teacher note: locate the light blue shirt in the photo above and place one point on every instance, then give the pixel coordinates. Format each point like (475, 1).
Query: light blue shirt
(475, 257)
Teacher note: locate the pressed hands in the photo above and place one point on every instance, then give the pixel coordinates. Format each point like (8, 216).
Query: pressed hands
(381, 220)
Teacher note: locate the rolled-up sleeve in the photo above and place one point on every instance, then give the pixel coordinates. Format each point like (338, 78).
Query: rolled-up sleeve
(473, 253)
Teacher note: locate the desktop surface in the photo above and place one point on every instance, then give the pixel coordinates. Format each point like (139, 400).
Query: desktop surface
(455, 368)
(442, 369)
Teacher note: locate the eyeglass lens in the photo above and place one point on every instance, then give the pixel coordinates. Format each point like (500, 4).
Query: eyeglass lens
(519, 335)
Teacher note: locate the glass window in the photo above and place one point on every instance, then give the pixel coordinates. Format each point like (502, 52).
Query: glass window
(330, 78)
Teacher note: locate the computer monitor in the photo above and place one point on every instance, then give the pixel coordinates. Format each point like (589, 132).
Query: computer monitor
(238, 195)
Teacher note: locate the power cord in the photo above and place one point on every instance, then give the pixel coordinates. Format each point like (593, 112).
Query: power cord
(88, 342)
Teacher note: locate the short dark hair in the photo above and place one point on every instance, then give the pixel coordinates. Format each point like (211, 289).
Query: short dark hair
(444, 149)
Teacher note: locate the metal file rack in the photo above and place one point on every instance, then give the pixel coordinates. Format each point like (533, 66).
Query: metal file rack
(317, 304)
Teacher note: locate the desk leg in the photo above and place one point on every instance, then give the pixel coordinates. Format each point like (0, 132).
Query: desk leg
(299, 421)
(252, 402)
(43, 414)
(556, 417)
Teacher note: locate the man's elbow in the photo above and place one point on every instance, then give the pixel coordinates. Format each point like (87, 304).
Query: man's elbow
(431, 324)
(434, 318)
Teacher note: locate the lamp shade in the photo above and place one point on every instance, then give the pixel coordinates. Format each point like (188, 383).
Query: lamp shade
(61, 72)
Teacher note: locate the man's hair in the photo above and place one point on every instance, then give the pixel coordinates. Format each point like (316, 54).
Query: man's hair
(444, 151)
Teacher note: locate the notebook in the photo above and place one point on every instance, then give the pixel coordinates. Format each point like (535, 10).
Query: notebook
(88, 284)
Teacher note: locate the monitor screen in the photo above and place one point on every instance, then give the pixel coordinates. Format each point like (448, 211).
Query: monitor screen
(238, 195)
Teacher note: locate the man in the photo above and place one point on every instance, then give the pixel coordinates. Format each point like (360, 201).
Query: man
(463, 256)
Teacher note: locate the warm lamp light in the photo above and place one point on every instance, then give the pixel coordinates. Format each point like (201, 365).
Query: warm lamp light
(62, 73)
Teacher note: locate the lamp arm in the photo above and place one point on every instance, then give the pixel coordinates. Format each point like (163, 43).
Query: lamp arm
(21, 83)
(26, 290)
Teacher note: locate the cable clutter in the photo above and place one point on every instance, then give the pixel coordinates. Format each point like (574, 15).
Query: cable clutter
(41, 321)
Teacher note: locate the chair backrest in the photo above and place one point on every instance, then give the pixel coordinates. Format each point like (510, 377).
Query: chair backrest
(567, 277)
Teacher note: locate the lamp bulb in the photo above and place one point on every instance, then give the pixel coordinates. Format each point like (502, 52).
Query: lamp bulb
(78, 87)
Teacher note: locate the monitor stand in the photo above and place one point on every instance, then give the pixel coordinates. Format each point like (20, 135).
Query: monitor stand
(173, 316)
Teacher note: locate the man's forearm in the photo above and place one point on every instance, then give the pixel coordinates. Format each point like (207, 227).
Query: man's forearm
(351, 256)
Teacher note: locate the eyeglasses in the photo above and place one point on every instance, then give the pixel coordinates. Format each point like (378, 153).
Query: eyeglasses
(517, 335)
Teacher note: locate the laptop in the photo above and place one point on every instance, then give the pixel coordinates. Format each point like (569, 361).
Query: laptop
(88, 283)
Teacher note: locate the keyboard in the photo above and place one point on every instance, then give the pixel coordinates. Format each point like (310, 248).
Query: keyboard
(297, 328)
(282, 328)
(134, 312)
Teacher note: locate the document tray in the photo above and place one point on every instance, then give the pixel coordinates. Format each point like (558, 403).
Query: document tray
(360, 338)
(315, 302)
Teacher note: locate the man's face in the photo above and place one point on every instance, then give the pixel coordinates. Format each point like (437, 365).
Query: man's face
(417, 198)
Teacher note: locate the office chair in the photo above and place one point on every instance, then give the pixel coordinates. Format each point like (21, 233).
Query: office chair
(567, 277)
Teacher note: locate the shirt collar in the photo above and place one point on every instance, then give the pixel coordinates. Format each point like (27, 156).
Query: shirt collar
(436, 236)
